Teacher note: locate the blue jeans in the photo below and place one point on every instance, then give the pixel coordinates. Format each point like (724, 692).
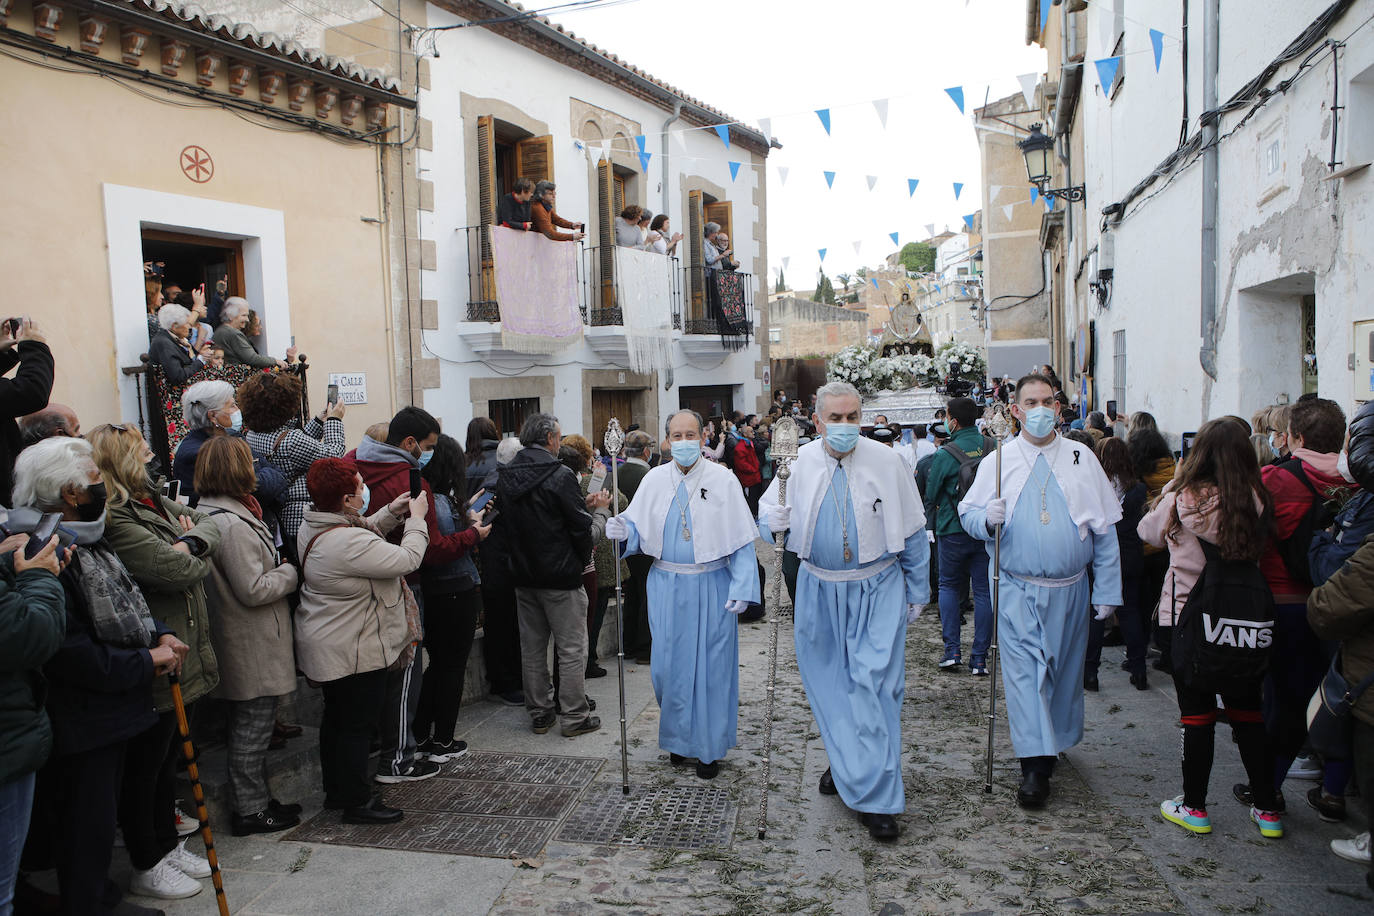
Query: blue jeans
(16, 801)
(964, 559)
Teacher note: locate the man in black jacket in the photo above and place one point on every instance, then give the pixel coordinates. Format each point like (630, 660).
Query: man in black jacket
(550, 534)
(26, 393)
(513, 211)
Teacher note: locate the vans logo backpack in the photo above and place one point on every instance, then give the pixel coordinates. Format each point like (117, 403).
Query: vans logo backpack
(1225, 632)
(1242, 634)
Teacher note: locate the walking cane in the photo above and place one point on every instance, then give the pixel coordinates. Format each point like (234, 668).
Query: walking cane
(784, 451)
(998, 425)
(190, 754)
(614, 440)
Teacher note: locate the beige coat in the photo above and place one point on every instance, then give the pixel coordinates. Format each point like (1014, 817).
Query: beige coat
(352, 616)
(246, 591)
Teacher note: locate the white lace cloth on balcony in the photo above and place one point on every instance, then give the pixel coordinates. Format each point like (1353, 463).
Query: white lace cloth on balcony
(644, 293)
(536, 289)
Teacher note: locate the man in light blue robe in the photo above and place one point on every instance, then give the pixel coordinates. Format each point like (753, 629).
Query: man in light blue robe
(690, 515)
(1058, 514)
(857, 525)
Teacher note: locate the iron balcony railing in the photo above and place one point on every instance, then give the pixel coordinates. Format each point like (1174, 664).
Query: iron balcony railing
(602, 295)
(699, 318)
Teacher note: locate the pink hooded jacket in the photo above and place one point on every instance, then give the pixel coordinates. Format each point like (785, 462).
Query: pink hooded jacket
(1186, 559)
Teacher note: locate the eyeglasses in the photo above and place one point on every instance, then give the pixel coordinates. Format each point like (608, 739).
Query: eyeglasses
(119, 427)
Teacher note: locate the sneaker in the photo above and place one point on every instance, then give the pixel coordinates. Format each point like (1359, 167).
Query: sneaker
(948, 662)
(1268, 822)
(1175, 811)
(418, 770)
(1355, 849)
(1305, 767)
(164, 881)
(1330, 808)
(1242, 793)
(443, 753)
(978, 669)
(587, 725)
(187, 862)
(511, 697)
(186, 825)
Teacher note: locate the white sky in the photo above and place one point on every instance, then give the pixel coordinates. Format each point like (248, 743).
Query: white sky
(784, 58)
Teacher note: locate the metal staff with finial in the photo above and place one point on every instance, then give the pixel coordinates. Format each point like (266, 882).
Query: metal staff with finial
(784, 451)
(997, 422)
(614, 440)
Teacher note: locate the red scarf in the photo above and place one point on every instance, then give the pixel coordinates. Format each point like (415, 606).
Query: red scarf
(251, 503)
(155, 505)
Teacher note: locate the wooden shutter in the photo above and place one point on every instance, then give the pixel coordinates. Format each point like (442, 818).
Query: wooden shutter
(534, 158)
(719, 212)
(696, 222)
(606, 213)
(486, 203)
(618, 205)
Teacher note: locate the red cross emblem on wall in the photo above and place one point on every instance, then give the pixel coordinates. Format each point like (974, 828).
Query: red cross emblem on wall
(197, 164)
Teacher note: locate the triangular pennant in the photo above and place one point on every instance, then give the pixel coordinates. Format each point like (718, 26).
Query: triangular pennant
(894, 236)
(880, 106)
(830, 179)
(911, 184)
(785, 261)
(644, 161)
(640, 140)
(782, 174)
(872, 180)
(824, 115)
(680, 138)
(874, 281)
(1028, 82)
(1035, 194)
(968, 220)
(930, 230)
(1106, 72)
(723, 131)
(957, 94)
(857, 246)
(766, 125)
(1157, 42)
(1006, 211)
(1049, 203)
(822, 253)
(958, 189)
(734, 170)
(1044, 13)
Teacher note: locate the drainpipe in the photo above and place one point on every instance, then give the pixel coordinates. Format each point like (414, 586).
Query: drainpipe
(1211, 48)
(677, 113)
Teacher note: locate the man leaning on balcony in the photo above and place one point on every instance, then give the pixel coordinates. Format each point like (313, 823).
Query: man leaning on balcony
(545, 219)
(513, 211)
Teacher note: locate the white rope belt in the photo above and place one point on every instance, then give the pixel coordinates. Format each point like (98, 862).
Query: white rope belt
(1051, 583)
(848, 575)
(690, 569)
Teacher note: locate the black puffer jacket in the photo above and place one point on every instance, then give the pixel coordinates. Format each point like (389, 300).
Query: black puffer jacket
(544, 520)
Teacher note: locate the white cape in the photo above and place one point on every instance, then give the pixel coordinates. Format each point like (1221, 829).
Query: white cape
(887, 508)
(721, 520)
(1093, 504)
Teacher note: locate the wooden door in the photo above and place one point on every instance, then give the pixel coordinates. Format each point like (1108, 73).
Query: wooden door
(696, 223)
(606, 186)
(608, 403)
(720, 212)
(534, 158)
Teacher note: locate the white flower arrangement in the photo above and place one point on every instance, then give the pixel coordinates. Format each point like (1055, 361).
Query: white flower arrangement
(958, 360)
(867, 370)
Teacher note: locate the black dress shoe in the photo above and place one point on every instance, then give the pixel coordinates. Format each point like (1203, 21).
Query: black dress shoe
(881, 826)
(1090, 682)
(594, 670)
(284, 730)
(828, 783)
(1034, 791)
(1140, 681)
(374, 813)
(676, 760)
(289, 808)
(268, 821)
(708, 770)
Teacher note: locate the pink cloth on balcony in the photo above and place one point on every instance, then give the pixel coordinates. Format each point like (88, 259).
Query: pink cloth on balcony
(536, 289)
(645, 291)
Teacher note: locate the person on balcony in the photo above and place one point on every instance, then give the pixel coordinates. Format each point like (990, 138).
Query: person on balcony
(170, 349)
(513, 211)
(238, 349)
(711, 253)
(661, 238)
(627, 233)
(722, 243)
(545, 219)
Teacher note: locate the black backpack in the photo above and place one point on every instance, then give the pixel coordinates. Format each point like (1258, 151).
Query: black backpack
(968, 464)
(1223, 635)
(1320, 516)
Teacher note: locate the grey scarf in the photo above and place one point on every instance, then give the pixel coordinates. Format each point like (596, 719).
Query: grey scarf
(117, 607)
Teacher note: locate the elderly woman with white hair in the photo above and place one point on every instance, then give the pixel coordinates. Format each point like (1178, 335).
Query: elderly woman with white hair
(210, 410)
(171, 349)
(238, 349)
(99, 683)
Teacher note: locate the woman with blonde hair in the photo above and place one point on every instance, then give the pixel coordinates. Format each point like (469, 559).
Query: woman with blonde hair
(166, 547)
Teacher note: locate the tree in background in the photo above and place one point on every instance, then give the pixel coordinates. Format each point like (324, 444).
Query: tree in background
(782, 284)
(825, 290)
(917, 258)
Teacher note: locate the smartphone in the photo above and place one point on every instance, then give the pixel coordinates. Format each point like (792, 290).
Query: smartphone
(482, 491)
(481, 502)
(172, 490)
(415, 485)
(598, 477)
(1187, 439)
(1111, 411)
(331, 393)
(42, 533)
(293, 340)
(908, 435)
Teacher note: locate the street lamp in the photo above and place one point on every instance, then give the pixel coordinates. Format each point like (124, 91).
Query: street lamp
(1039, 152)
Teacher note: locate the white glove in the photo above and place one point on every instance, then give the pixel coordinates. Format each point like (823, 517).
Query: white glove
(777, 518)
(617, 529)
(1104, 610)
(930, 536)
(735, 606)
(997, 513)
(913, 611)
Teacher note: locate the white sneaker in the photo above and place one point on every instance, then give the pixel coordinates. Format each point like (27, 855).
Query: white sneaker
(187, 862)
(186, 825)
(1305, 768)
(1355, 849)
(165, 881)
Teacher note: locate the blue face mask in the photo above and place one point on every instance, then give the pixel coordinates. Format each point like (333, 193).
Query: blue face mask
(686, 452)
(425, 457)
(236, 421)
(842, 437)
(1039, 421)
(367, 498)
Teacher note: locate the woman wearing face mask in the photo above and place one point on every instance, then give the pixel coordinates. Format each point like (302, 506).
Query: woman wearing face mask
(99, 684)
(356, 619)
(210, 410)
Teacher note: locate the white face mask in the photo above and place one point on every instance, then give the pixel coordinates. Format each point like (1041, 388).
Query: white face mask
(1343, 467)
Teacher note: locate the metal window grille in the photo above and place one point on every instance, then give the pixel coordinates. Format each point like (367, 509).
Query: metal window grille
(1119, 370)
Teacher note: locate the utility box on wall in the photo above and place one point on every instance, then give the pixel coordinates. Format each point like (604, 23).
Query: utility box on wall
(1363, 362)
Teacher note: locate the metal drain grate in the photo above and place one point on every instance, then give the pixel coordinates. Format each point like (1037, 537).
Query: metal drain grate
(526, 769)
(470, 796)
(664, 817)
(426, 831)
